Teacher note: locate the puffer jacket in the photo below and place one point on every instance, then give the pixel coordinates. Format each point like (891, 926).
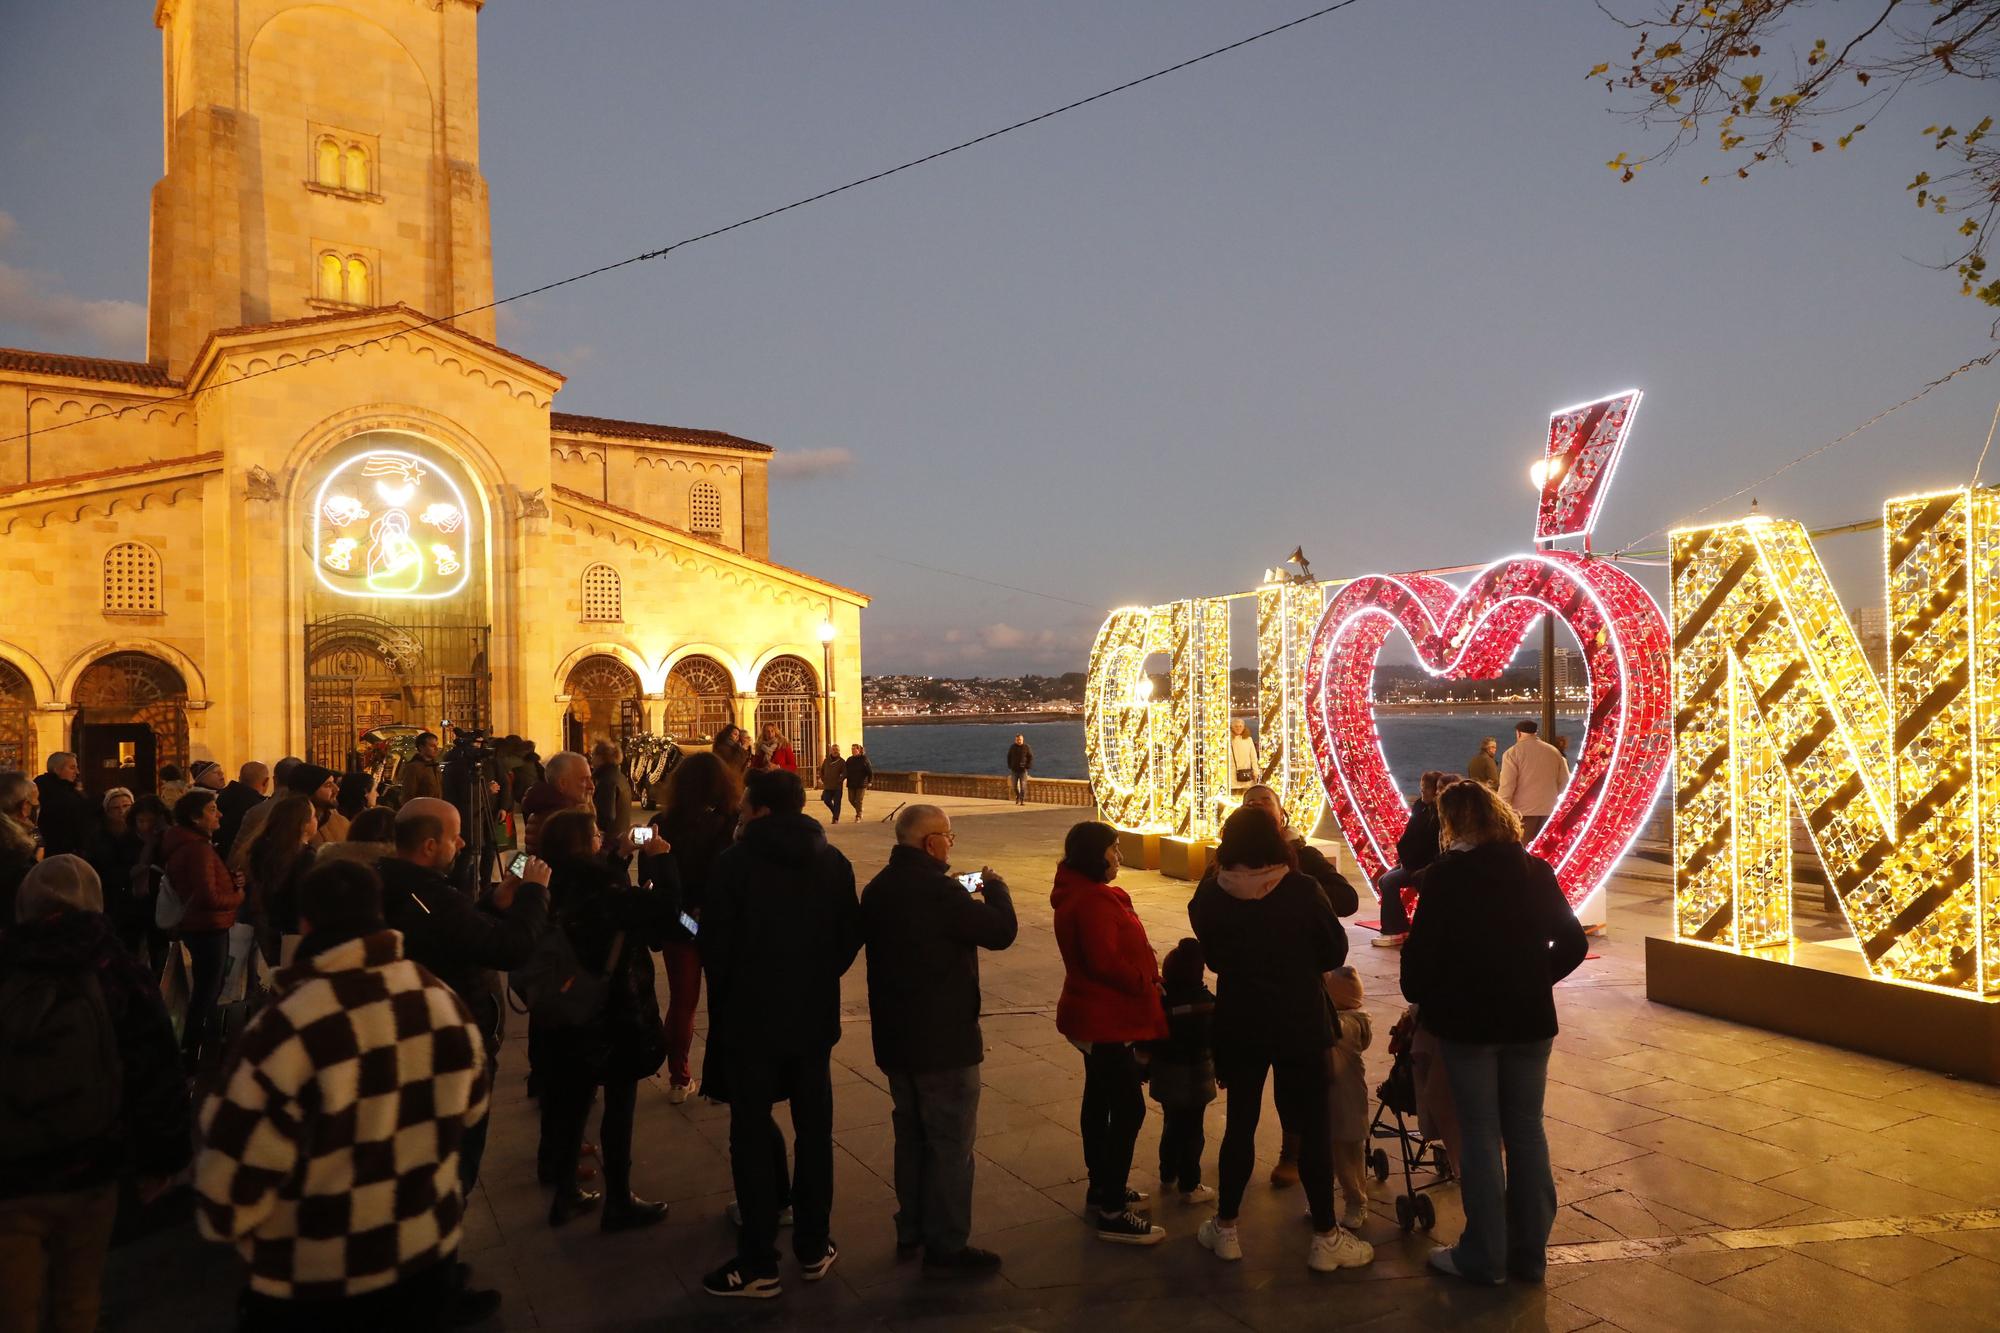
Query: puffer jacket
(199, 877)
(1111, 981)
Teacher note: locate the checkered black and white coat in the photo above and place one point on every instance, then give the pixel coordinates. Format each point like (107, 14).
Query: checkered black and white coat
(330, 1155)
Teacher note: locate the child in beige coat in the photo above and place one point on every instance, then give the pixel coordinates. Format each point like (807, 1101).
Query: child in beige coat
(1348, 1080)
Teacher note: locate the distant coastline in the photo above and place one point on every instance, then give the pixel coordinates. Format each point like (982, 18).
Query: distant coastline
(967, 719)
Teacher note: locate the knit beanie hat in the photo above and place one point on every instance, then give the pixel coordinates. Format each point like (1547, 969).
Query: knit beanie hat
(59, 884)
(199, 767)
(306, 779)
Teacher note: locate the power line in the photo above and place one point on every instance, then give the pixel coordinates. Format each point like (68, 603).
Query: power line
(1810, 454)
(737, 225)
(970, 578)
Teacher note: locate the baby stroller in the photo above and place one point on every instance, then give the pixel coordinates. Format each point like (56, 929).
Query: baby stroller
(1400, 1120)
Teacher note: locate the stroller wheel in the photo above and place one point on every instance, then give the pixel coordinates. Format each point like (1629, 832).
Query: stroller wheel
(1426, 1213)
(1405, 1213)
(1379, 1162)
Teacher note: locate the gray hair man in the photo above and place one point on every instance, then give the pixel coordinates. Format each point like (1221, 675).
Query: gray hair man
(923, 929)
(67, 814)
(566, 785)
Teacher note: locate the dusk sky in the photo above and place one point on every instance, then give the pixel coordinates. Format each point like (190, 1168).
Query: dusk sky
(1322, 290)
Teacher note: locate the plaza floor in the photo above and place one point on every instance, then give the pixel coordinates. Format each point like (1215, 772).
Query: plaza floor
(1711, 1177)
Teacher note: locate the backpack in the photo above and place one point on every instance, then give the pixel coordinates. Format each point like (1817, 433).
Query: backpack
(60, 1051)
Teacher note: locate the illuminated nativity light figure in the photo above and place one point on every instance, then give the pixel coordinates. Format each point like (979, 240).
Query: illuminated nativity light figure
(407, 501)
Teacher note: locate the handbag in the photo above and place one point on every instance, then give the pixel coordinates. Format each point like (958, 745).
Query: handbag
(169, 907)
(176, 985)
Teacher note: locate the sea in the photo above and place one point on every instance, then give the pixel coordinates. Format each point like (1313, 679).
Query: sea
(1445, 741)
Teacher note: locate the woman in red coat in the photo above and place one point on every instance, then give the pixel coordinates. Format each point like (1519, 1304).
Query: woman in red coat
(1110, 1006)
(200, 879)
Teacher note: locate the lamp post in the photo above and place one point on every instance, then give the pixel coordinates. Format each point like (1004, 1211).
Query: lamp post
(826, 637)
(1539, 473)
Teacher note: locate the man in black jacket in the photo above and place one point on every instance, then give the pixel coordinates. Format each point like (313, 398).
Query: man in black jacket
(252, 786)
(67, 813)
(781, 927)
(461, 943)
(924, 931)
(1020, 758)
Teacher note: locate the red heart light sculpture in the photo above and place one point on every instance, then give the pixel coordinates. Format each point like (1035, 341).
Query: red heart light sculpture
(1472, 635)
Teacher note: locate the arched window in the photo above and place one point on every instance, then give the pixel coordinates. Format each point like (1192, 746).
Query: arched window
(17, 727)
(604, 703)
(112, 695)
(131, 580)
(355, 290)
(326, 162)
(603, 594)
(788, 694)
(354, 169)
(700, 698)
(705, 509)
(329, 279)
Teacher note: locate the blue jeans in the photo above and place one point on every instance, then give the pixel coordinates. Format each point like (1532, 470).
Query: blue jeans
(936, 1119)
(1020, 779)
(1510, 1207)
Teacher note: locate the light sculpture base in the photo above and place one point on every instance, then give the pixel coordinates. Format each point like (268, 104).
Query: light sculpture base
(1141, 851)
(1823, 993)
(1185, 858)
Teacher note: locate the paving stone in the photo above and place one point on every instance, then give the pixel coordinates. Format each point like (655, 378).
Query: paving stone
(1698, 1191)
(1644, 1297)
(1861, 1193)
(1826, 1104)
(1885, 1259)
(1794, 1286)
(1716, 1149)
(1593, 1110)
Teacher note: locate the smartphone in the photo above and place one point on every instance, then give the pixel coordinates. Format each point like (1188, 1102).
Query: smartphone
(520, 866)
(690, 925)
(973, 882)
(642, 834)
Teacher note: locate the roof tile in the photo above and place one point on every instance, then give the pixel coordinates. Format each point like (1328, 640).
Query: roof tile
(646, 430)
(144, 374)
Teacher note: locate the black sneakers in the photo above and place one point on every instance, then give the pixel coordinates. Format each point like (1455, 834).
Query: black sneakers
(820, 1267)
(1128, 1228)
(731, 1281)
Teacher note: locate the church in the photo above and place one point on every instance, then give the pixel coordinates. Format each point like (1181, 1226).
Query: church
(328, 501)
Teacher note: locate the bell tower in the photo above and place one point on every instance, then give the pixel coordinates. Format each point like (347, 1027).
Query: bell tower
(319, 157)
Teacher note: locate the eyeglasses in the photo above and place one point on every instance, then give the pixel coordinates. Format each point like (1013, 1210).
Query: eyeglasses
(946, 834)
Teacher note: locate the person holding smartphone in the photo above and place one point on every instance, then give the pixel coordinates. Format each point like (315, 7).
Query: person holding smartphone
(923, 929)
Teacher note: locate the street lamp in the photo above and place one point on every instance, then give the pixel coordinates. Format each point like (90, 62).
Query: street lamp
(826, 637)
(1540, 473)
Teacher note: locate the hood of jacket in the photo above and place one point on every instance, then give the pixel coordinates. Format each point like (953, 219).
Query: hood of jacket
(1250, 885)
(63, 942)
(790, 840)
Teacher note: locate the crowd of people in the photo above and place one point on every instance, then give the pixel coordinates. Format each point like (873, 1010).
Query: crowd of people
(338, 1139)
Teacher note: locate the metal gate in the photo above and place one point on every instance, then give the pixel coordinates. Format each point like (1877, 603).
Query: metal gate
(363, 672)
(788, 694)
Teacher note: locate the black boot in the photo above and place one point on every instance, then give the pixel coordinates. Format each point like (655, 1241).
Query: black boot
(571, 1202)
(631, 1213)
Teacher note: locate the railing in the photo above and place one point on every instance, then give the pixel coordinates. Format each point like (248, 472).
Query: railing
(986, 787)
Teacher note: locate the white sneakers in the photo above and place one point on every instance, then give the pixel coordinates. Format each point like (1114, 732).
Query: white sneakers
(1199, 1194)
(1219, 1240)
(1354, 1215)
(678, 1093)
(1338, 1249)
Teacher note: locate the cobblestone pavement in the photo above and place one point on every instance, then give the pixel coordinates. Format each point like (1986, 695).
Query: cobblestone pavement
(1711, 1177)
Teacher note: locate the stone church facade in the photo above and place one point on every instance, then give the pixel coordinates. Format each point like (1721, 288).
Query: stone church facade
(320, 506)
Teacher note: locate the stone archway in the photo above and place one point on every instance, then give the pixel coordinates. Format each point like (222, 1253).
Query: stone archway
(131, 720)
(700, 699)
(606, 702)
(788, 694)
(364, 672)
(17, 719)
